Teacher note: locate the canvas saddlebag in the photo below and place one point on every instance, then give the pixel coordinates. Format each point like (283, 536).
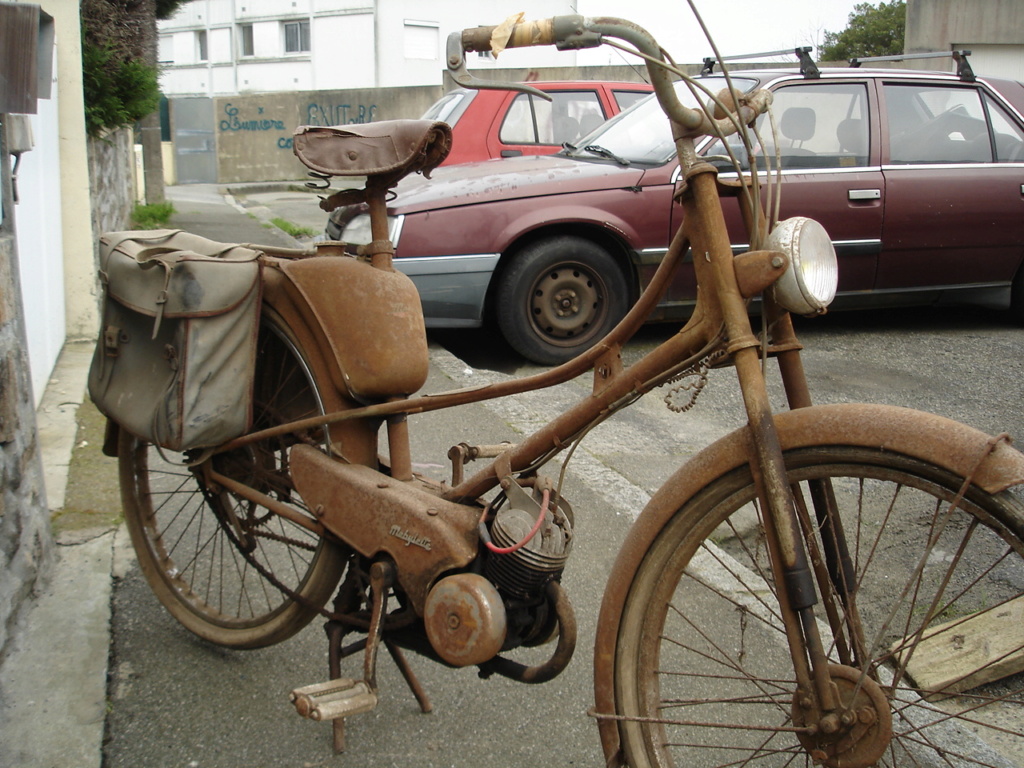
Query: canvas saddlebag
(174, 360)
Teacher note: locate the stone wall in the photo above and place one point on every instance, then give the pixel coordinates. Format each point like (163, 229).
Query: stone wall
(26, 546)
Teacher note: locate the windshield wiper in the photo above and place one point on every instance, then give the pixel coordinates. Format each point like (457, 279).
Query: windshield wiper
(594, 149)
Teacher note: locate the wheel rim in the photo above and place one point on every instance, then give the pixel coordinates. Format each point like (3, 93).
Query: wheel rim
(229, 569)
(710, 670)
(567, 304)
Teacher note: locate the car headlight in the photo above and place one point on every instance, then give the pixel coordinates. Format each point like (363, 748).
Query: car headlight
(809, 285)
(357, 231)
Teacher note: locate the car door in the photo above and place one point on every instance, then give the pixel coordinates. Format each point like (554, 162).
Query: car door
(953, 211)
(830, 169)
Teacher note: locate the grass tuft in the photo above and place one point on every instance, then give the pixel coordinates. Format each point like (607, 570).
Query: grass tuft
(152, 216)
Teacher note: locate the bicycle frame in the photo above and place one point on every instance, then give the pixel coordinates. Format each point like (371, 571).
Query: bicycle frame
(720, 324)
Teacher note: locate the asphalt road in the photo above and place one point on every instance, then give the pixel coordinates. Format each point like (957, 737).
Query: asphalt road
(177, 701)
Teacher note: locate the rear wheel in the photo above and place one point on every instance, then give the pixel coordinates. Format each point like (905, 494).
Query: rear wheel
(702, 671)
(558, 297)
(228, 569)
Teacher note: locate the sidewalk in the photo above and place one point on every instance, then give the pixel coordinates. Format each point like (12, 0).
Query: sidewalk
(53, 685)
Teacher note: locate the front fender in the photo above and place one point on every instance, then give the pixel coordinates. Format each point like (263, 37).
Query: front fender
(934, 439)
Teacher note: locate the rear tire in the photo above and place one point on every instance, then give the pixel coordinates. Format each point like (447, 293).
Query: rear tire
(189, 548)
(558, 297)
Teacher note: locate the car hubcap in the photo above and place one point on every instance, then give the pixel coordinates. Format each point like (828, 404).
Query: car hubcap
(566, 303)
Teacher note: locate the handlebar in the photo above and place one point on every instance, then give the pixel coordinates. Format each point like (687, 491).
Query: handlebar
(574, 32)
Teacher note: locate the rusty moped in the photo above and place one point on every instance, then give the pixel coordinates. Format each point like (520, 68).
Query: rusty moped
(867, 544)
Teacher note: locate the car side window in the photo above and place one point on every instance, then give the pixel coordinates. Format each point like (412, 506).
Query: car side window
(569, 115)
(626, 99)
(936, 124)
(1009, 137)
(824, 125)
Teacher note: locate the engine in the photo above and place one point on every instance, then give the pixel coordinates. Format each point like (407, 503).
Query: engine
(470, 617)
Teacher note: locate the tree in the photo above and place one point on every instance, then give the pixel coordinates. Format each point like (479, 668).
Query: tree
(871, 31)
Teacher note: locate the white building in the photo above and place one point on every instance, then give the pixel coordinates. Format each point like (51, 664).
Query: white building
(224, 47)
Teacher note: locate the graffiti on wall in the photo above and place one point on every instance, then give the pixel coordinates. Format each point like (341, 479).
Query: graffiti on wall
(315, 114)
(340, 114)
(232, 122)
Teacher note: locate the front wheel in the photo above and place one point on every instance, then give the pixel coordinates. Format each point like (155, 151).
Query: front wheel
(703, 675)
(558, 297)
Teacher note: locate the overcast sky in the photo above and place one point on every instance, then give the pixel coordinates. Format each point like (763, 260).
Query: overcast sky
(738, 26)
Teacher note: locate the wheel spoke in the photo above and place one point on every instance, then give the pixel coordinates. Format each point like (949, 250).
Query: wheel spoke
(229, 570)
(701, 632)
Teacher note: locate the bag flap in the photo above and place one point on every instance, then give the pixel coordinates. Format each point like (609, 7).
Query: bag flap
(176, 274)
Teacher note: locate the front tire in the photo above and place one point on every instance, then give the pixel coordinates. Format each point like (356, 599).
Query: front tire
(558, 297)
(703, 675)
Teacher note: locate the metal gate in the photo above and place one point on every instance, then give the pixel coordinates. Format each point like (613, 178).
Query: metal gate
(195, 144)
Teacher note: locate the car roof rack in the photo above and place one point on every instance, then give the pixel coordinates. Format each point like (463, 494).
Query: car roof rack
(963, 67)
(807, 66)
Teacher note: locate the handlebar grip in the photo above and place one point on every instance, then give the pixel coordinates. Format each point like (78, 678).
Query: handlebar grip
(512, 33)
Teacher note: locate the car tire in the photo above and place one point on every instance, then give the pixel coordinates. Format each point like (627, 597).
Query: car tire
(559, 296)
(1017, 297)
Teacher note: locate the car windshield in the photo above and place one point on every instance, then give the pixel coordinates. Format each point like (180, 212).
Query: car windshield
(641, 134)
(450, 107)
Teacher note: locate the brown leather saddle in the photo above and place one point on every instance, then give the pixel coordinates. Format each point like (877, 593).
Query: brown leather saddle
(386, 148)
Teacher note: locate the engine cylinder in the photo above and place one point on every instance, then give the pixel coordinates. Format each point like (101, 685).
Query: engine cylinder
(524, 573)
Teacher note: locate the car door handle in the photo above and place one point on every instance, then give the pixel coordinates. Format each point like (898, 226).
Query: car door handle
(864, 194)
(511, 153)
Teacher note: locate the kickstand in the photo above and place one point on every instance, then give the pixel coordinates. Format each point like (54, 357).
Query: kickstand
(381, 578)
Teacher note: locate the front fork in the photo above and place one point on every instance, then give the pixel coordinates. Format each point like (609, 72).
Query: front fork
(786, 519)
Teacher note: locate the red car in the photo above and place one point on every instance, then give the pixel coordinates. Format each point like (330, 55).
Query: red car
(488, 124)
(918, 177)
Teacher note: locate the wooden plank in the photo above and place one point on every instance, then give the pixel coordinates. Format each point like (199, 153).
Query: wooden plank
(972, 650)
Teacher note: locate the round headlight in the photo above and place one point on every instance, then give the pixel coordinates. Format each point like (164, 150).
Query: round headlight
(809, 285)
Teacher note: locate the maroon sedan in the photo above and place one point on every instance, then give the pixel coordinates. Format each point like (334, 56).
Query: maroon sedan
(917, 176)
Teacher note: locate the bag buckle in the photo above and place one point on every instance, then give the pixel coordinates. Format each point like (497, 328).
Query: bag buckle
(112, 340)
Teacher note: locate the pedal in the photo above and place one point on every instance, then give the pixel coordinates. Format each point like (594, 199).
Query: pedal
(333, 699)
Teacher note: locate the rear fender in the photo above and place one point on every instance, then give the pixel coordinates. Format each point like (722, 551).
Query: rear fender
(356, 440)
(934, 439)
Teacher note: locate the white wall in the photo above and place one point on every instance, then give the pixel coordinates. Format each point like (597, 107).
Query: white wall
(1002, 60)
(350, 48)
(40, 244)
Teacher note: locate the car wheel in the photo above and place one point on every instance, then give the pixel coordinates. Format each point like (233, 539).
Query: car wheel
(1017, 297)
(558, 297)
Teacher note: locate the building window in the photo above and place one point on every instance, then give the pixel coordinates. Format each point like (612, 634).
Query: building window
(202, 52)
(296, 36)
(422, 40)
(245, 33)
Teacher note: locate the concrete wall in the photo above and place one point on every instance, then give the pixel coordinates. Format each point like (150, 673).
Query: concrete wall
(941, 25)
(254, 132)
(76, 214)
